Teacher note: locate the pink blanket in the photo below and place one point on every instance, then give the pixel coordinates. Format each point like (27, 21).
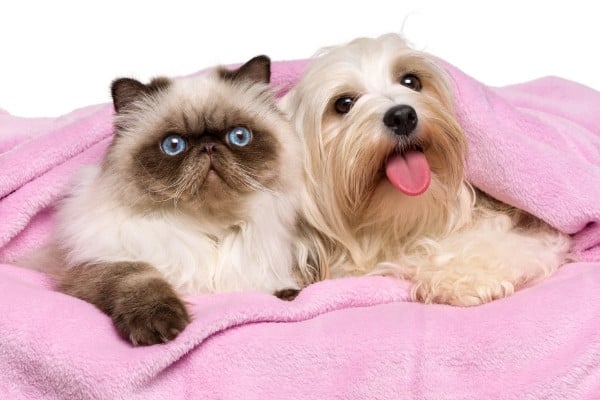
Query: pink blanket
(535, 145)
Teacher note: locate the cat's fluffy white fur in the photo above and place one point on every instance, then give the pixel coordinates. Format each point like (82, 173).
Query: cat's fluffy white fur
(195, 253)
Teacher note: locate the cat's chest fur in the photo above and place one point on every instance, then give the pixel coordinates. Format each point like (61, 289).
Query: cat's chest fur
(196, 256)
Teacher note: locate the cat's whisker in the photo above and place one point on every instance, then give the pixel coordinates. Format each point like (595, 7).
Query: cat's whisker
(143, 166)
(249, 181)
(165, 189)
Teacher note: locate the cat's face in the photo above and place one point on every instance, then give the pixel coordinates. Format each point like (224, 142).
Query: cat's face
(205, 142)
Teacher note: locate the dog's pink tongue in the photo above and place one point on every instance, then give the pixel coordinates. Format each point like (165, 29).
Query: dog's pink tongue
(409, 173)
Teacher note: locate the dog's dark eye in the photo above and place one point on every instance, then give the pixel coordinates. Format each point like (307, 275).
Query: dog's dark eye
(344, 104)
(411, 81)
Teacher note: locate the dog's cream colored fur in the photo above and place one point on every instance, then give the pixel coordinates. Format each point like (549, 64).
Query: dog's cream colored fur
(457, 246)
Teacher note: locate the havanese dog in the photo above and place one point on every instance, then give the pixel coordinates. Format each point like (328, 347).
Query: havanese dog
(387, 191)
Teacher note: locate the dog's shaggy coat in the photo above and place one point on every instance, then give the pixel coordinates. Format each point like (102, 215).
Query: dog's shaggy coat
(371, 108)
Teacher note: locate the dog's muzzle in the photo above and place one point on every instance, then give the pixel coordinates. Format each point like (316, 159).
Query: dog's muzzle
(401, 119)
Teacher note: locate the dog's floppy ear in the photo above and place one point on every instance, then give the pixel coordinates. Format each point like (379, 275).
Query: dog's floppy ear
(258, 69)
(125, 90)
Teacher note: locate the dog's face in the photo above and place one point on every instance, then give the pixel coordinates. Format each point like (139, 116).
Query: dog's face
(377, 119)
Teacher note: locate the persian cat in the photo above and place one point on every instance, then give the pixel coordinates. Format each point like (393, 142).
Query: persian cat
(198, 193)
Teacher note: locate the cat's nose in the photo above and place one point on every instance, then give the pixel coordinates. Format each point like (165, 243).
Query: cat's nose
(208, 147)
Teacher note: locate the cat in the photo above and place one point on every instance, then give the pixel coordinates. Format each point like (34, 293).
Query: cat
(197, 193)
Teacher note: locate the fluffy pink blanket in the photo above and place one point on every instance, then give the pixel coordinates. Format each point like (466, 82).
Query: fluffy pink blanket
(534, 145)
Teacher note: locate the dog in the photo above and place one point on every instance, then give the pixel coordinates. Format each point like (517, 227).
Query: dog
(387, 191)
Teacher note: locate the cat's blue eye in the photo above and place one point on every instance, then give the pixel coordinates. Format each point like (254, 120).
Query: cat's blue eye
(239, 136)
(173, 145)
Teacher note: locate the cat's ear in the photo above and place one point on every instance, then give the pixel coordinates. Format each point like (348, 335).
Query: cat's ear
(126, 90)
(258, 69)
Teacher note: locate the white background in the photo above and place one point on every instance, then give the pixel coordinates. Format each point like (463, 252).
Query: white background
(57, 55)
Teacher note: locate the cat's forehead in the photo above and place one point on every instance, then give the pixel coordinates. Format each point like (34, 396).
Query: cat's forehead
(212, 105)
(213, 118)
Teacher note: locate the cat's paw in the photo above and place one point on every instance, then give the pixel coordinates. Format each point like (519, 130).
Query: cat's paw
(287, 294)
(157, 320)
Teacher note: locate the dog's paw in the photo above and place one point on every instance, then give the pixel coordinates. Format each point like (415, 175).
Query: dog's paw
(151, 321)
(462, 293)
(287, 294)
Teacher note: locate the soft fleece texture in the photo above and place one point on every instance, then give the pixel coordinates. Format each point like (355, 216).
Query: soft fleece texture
(535, 145)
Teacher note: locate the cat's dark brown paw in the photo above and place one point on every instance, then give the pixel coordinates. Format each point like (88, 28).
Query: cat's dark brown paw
(287, 294)
(152, 322)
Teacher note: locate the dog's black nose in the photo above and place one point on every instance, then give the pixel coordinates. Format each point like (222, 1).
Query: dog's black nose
(401, 119)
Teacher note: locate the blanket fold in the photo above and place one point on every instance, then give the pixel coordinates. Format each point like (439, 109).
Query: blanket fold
(535, 145)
